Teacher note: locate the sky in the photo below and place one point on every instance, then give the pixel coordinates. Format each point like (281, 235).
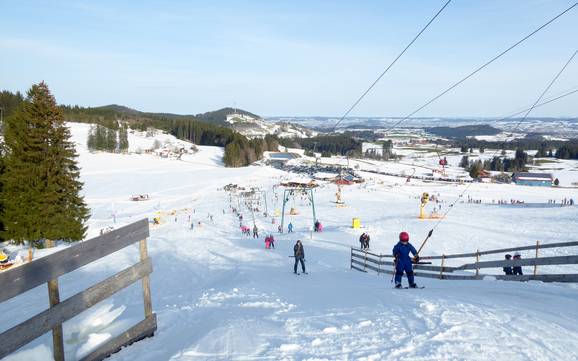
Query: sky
(291, 58)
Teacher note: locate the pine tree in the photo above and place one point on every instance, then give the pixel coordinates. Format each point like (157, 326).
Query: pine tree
(123, 139)
(111, 140)
(41, 186)
(91, 141)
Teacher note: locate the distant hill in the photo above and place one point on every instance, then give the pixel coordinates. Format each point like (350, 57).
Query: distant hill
(463, 131)
(220, 116)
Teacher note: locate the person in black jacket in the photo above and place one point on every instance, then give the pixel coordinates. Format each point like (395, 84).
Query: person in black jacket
(517, 270)
(299, 254)
(508, 269)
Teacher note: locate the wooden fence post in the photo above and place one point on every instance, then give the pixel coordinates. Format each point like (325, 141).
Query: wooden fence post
(536, 265)
(442, 267)
(365, 261)
(146, 283)
(477, 261)
(379, 265)
(54, 298)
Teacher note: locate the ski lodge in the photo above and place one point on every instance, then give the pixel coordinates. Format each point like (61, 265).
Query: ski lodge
(532, 179)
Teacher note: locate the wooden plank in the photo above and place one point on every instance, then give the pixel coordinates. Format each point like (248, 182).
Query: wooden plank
(359, 269)
(366, 266)
(505, 250)
(543, 278)
(23, 278)
(145, 328)
(364, 252)
(544, 261)
(18, 336)
(54, 299)
(146, 283)
(367, 259)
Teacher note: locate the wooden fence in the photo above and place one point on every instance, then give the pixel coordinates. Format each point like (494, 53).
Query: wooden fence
(364, 261)
(47, 269)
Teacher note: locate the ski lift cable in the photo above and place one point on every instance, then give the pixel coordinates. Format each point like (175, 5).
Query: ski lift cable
(456, 84)
(452, 206)
(390, 66)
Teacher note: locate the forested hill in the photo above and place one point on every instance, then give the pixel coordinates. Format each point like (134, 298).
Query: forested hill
(463, 131)
(204, 129)
(219, 116)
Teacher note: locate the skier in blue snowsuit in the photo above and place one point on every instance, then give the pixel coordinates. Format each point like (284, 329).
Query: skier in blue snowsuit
(403, 261)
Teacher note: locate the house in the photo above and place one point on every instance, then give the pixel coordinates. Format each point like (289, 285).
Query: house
(532, 179)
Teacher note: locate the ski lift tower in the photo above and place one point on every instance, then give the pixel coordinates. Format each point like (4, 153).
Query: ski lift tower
(292, 188)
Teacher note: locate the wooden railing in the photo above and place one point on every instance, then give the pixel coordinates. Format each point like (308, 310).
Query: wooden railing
(18, 280)
(363, 261)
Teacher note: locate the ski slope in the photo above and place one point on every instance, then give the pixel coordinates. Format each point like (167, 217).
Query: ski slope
(219, 295)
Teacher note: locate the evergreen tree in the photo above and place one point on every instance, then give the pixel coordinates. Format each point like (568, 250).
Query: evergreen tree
(475, 169)
(465, 162)
(123, 139)
(111, 140)
(91, 141)
(41, 186)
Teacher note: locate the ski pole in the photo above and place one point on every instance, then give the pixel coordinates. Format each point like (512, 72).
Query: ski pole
(394, 269)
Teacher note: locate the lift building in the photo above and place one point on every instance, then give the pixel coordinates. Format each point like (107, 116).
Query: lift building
(532, 179)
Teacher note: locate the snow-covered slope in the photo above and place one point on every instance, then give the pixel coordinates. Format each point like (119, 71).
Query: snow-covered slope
(222, 296)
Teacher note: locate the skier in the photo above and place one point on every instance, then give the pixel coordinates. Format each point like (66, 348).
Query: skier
(271, 241)
(517, 270)
(508, 269)
(403, 262)
(299, 255)
(255, 231)
(366, 241)
(267, 242)
(362, 241)
(290, 228)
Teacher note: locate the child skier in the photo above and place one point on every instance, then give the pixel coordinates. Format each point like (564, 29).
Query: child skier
(403, 262)
(299, 255)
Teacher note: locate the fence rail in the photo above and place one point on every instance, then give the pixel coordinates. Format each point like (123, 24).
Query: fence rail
(47, 270)
(364, 261)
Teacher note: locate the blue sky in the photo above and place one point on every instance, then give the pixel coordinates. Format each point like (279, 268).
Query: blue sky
(289, 57)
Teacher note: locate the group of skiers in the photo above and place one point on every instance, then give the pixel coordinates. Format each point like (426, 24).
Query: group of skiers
(516, 270)
(364, 241)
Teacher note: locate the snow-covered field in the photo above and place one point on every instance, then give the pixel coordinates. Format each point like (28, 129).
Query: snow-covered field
(221, 296)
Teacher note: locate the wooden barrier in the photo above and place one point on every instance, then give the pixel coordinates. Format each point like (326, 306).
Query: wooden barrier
(47, 270)
(374, 262)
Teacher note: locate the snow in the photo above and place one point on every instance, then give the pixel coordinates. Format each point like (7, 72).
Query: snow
(221, 296)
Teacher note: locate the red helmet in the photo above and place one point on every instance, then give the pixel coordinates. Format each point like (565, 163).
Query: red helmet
(404, 237)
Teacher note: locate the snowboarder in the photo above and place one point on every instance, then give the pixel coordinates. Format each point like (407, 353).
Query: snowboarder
(290, 228)
(255, 231)
(299, 255)
(403, 261)
(508, 269)
(517, 270)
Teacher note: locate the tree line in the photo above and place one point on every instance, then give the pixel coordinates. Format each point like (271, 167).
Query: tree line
(501, 164)
(339, 144)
